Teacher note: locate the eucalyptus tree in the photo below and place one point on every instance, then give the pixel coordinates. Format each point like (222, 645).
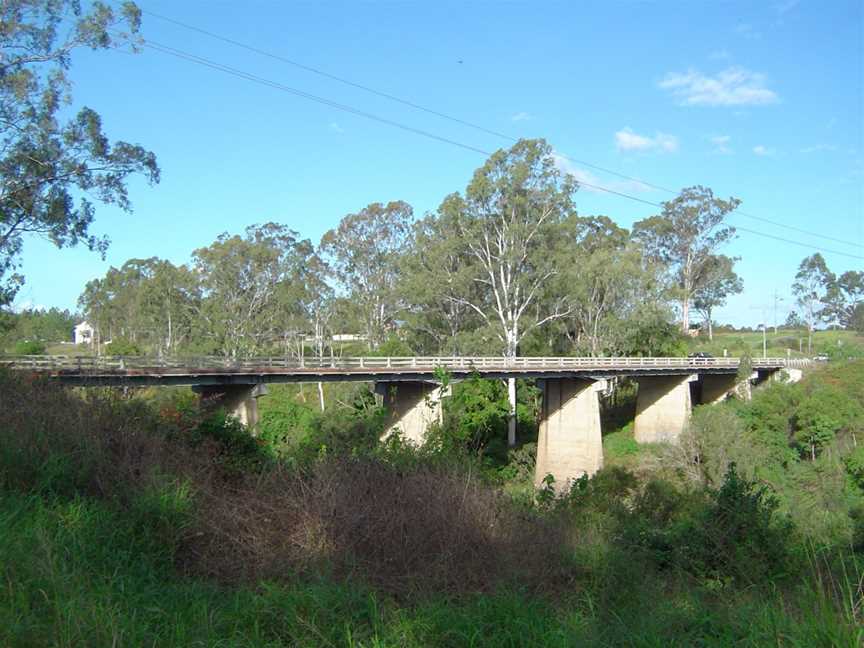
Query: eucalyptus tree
(148, 300)
(51, 167)
(606, 280)
(717, 281)
(844, 295)
(437, 283)
(686, 235)
(170, 298)
(364, 253)
(242, 279)
(812, 282)
(509, 219)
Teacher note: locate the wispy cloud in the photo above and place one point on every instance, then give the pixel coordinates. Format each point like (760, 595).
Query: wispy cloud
(786, 6)
(590, 182)
(763, 151)
(818, 148)
(721, 144)
(627, 141)
(734, 86)
(336, 128)
(746, 30)
(720, 55)
(521, 116)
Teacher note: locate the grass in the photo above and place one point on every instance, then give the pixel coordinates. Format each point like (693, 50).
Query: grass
(79, 572)
(123, 527)
(739, 343)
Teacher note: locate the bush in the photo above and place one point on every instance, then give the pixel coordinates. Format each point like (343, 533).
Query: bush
(122, 347)
(28, 347)
(724, 535)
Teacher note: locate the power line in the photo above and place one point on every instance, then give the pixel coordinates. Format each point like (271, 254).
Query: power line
(464, 122)
(172, 51)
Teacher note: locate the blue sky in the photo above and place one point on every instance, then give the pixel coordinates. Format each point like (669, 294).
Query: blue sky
(760, 100)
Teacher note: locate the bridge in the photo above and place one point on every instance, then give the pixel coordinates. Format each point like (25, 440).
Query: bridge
(569, 442)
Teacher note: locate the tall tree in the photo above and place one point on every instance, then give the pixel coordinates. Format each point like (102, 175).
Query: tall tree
(686, 235)
(242, 279)
(716, 283)
(843, 296)
(606, 279)
(364, 253)
(812, 282)
(510, 220)
(50, 169)
(436, 281)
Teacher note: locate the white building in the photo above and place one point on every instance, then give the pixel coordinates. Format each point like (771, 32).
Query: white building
(82, 333)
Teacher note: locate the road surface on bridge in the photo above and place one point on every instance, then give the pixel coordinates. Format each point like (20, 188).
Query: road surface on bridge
(209, 370)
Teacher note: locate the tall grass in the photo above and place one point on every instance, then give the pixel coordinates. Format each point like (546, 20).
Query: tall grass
(121, 529)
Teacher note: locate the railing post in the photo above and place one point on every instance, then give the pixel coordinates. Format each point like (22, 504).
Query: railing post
(362, 362)
(389, 364)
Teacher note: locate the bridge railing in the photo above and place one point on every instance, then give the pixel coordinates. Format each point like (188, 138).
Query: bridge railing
(88, 364)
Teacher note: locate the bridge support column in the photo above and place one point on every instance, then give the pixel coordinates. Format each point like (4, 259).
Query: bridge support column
(663, 406)
(716, 388)
(240, 401)
(570, 443)
(412, 406)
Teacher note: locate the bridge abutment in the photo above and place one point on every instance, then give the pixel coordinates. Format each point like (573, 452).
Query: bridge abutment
(239, 401)
(412, 406)
(663, 407)
(570, 442)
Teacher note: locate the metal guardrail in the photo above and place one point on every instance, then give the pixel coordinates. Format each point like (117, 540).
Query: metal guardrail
(91, 364)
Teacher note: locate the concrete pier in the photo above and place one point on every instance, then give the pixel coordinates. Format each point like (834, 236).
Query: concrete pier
(240, 401)
(663, 407)
(412, 406)
(570, 443)
(716, 388)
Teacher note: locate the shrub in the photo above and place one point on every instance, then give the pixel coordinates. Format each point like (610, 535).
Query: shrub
(122, 347)
(821, 416)
(29, 347)
(724, 535)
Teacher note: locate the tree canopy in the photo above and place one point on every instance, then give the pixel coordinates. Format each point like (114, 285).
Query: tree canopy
(52, 169)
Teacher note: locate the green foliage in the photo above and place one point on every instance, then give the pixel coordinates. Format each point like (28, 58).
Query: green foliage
(854, 462)
(123, 347)
(731, 535)
(55, 161)
(47, 326)
(653, 335)
(287, 424)
(29, 347)
(822, 415)
(474, 415)
(393, 346)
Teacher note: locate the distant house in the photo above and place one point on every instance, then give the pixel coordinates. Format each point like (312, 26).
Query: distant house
(82, 333)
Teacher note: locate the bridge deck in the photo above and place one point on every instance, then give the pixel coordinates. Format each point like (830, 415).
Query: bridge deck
(119, 371)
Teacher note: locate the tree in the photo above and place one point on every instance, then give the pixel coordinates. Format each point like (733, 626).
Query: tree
(364, 253)
(606, 279)
(51, 169)
(717, 281)
(812, 282)
(843, 296)
(856, 322)
(436, 283)
(242, 279)
(686, 235)
(794, 321)
(510, 219)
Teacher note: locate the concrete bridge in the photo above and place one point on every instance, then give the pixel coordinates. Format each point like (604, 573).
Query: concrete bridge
(569, 442)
